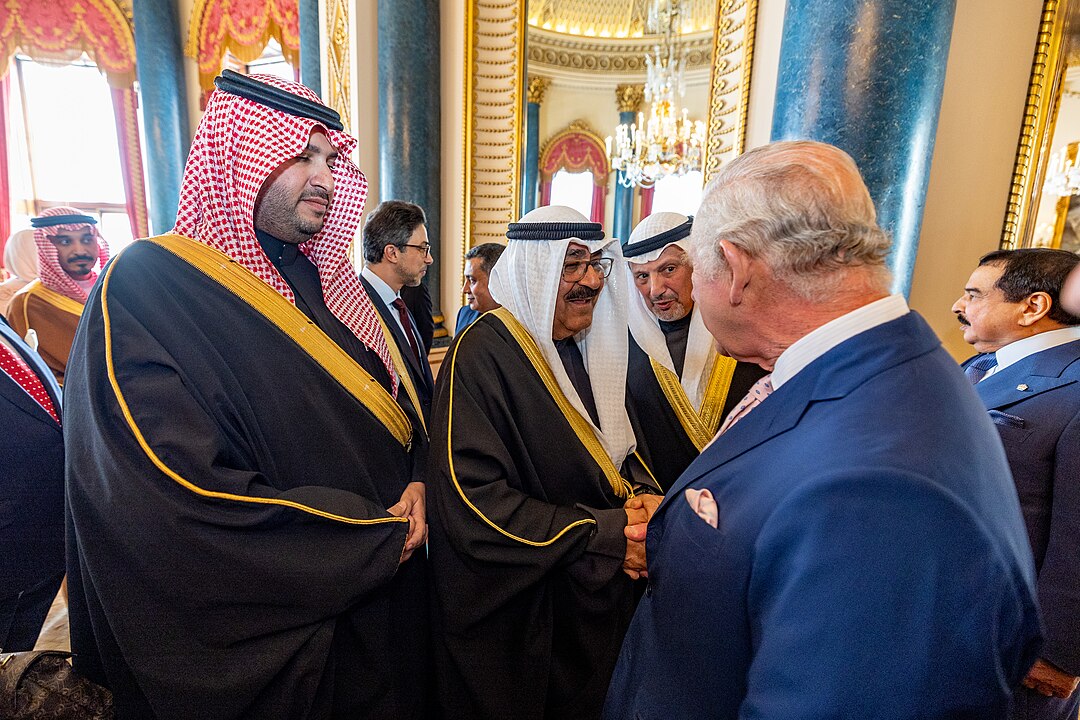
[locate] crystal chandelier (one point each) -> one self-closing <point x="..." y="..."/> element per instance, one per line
<point x="1062" y="173"/>
<point x="666" y="142"/>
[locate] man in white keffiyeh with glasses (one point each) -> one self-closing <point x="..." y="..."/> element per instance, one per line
<point x="241" y="488"/>
<point x="533" y="478"/>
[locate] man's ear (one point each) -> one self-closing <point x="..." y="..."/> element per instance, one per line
<point x="738" y="262"/>
<point x="390" y="253"/>
<point x="1035" y="308"/>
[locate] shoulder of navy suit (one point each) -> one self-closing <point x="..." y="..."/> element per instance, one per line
<point x="1041" y="372"/>
<point x="32" y="358"/>
<point x="831" y="376"/>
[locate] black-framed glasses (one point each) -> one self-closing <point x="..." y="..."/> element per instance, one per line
<point x="426" y="248"/>
<point x="575" y="271"/>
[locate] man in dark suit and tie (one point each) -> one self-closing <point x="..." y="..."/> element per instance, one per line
<point x="396" y="255"/>
<point x="31" y="492"/>
<point x="1027" y="375"/>
<point x="850" y="545"/>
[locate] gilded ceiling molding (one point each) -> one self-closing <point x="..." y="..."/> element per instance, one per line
<point x="729" y="95"/>
<point x="337" y="59"/>
<point x="538" y="85"/>
<point x="622" y="56"/>
<point x="630" y="97"/>
<point x="494" y="76"/>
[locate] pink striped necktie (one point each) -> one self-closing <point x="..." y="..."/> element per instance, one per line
<point x="758" y="392"/>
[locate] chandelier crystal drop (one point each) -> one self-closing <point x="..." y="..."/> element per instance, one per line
<point x="1063" y="174"/>
<point x="665" y="141"/>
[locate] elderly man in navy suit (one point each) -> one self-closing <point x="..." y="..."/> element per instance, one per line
<point x="849" y="546"/>
<point x="1027" y="374"/>
<point x="31" y="492"/>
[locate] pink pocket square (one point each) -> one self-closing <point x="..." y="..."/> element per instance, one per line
<point x="702" y="503"/>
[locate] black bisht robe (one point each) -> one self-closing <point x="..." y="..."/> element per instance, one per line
<point x="190" y="606"/>
<point x="526" y="543"/>
<point x="661" y="437"/>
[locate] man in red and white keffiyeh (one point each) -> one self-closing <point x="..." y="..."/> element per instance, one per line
<point x="69" y="252"/>
<point x="246" y="502"/>
<point x="239" y="144"/>
<point x="46" y="311"/>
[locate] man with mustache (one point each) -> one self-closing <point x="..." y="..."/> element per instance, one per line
<point x="242" y="494"/>
<point x="47" y="311"/>
<point x="1027" y="373"/>
<point x="679" y="386"/>
<point x="532" y="482"/>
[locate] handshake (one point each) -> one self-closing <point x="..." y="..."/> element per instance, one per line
<point x="639" y="509"/>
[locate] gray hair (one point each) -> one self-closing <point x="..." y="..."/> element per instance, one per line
<point x="802" y="208"/>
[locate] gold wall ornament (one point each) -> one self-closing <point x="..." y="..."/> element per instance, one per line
<point x="630" y="97"/>
<point x="494" y="79"/>
<point x="337" y="59"/>
<point x="624" y="56"/>
<point x="729" y="95"/>
<point x="538" y="85"/>
<point x="1037" y="128"/>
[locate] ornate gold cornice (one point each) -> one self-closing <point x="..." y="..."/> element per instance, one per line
<point x="538" y="85"/>
<point x="629" y="97"/>
<point x="616" y="57"/>
<point x="729" y="94"/>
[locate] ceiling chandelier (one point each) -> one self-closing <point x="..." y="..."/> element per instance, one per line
<point x="666" y="141"/>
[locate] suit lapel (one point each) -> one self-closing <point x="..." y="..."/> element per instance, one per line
<point x="389" y="316"/>
<point x="10" y="390"/>
<point x="829" y="377"/>
<point x="1031" y="376"/>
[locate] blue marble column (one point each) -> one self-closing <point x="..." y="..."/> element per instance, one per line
<point x="410" y="147"/>
<point x="867" y="76"/>
<point x="530" y="178"/>
<point x="159" y="62"/>
<point x="310" y="57"/>
<point x="629" y="99"/>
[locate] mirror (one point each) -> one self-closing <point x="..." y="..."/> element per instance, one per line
<point x="1044" y="203"/>
<point x="504" y="51"/>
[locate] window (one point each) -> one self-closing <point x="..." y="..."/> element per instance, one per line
<point x="678" y="193"/>
<point x="62" y="147"/>
<point x="573" y="190"/>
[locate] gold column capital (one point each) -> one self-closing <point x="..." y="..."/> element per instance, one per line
<point x="630" y="97"/>
<point x="538" y="85"/>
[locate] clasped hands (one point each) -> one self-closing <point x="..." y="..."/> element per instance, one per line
<point x="639" y="509"/>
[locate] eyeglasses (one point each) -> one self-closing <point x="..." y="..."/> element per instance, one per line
<point x="425" y="249"/>
<point x="575" y="271"/>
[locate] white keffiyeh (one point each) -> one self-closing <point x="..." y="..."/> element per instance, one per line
<point x="645" y="327"/>
<point x="525" y="281"/>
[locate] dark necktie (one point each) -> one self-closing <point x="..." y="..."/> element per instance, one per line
<point x="407" y="323"/>
<point x="977" y="368"/>
<point x="20" y="372"/>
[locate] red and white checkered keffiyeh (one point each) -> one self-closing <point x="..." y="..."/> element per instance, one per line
<point x="238" y="144"/>
<point x="52" y="274"/>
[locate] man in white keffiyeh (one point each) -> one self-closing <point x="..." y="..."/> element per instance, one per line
<point x="680" y="388"/>
<point x="531" y="481"/>
<point x="243" y="494"/>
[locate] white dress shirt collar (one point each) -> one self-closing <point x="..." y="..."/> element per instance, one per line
<point x="1016" y="351"/>
<point x="385" y="292"/>
<point x="819" y="341"/>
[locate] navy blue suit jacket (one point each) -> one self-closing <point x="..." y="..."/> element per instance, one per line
<point x="1035" y="404"/>
<point x="419" y="372"/>
<point x="31" y="499"/>
<point x="870" y="559"/>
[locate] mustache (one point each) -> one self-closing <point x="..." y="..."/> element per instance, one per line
<point x="316" y="192"/>
<point x="582" y="293"/>
<point x="80" y="258"/>
<point x="962" y="320"/>
<point x="664" y="297"/>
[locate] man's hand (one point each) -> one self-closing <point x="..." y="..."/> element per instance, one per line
<point x="639" y="509"/>
<point x="412" y="505"/>
<point x="1046" y="679"/>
